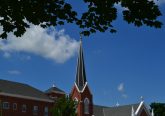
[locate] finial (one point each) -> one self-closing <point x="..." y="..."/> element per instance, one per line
<point x="142" y="99"/>
<point x="53" y="85"/>
<point x="117" y="104"/>
<point x="80" y="36"/>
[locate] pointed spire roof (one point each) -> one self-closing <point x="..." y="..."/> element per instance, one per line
<point x="80" y="74"/>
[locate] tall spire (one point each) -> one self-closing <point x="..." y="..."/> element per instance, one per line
<point x="80" y="74"/>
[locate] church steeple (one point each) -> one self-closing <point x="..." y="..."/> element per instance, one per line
<point x="80" y="74"/>
<point x="81" y="91"/>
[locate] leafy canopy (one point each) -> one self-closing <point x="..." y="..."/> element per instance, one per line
<point x="159" y="108"/>
<point x="64" y="106"/>
<point x="15" y="15"/>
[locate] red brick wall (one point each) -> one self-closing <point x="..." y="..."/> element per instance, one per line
<point x="143" y="113"/>
<point x="81" y="97"/>
<point x="20" y="102"/>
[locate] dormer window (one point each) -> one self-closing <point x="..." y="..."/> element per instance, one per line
<point x="86" y="106"/>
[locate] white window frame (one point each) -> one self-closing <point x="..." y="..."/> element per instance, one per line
<point x="14" y="106"/>
<point x="35" y="110"/>
<point x="24" y="108"/>
<point x="86" y="106"/>
<point x="4" y="105"/>
<point x="46" y="110"/>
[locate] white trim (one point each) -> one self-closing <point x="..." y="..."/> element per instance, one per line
<point x="75" y="99"/>
<point x="82" y="89"/>
<point x="77" y="88"/>
<point x="103" y="112"/>
<point x="25" y="97"/>
<point x="152" y="113"/>
<point x="133" y="112"/>
<point x="14" y="106"/>
<point x="141" y="107"/>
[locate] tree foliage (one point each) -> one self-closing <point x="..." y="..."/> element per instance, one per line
<point x="64" y="106"/>
<point x="15" y="15"/>
<point x="159" y="108"/>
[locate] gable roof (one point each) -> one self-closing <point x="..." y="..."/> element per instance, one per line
<point x="114" y="111"/>
<point x="54" y="90"/>
<point x="80" y="74"/>
<point x="25" y="91"/>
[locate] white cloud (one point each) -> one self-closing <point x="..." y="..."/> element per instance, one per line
<point x="14" y="72"/>
<point x="50" y="44"/>
<point x="121" y="87"/>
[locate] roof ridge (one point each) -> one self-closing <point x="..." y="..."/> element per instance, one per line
<point x="117" y="106"/>
<point x="14" y="82"/>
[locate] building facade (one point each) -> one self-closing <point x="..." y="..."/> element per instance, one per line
<point x="19" y="99"/>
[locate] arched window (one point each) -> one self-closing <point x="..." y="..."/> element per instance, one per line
<point x="86" y="106"/>
<point x="76" y="106"/>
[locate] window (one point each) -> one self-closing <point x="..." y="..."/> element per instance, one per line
<point x="76" y="106"/>
<point x="35" y="110"/>
<point x="46" y="111"/>
<point x="14" y="106"/>
<point x="6" y="105"/>
<point x="23" y="108"/>
<point x="86" y="106"/>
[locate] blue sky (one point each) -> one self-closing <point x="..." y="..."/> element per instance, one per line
<point x="120" y="67"/>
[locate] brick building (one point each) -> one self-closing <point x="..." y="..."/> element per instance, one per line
<point x="19" y="99"/>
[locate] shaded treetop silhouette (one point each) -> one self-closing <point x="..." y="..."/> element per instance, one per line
<point x="17" y="15"/>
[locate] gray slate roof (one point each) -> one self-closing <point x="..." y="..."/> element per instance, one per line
<point x="54" y="89"/>
<point x="114" y="111"/>
<point x="16" y="88"/>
